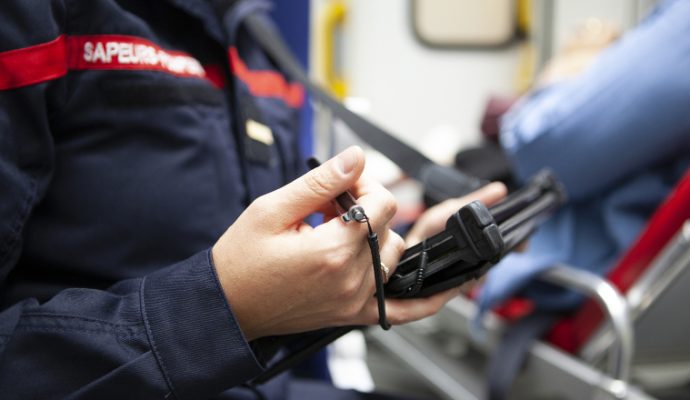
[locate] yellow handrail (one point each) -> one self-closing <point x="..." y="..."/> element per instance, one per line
<point x="332" y="18"/>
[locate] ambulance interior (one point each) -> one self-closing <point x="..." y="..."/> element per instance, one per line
<point x="440" y="74"/>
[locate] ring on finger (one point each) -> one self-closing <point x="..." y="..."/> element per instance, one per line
<point x="386" y="271"/>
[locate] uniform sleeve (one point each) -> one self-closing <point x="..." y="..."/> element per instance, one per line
<point x="170" y="334"/>
<point x="626" y="113"/>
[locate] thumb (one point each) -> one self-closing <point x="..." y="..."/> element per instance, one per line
<point x="308" y="193"/>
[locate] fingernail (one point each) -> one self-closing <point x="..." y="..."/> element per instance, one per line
<point x="347" y="160"/>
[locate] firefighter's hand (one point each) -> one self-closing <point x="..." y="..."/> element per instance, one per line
<point x="282" y="276"/>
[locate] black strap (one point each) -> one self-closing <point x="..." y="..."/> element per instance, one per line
<point x="373" y="241"/>
<point x="440" y="182"/>
<point x="507" y="360"/>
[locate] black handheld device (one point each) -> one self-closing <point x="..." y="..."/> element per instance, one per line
<point x="475" y="238"/>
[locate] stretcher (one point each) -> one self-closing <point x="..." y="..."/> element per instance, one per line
<point x="628" y="341"/>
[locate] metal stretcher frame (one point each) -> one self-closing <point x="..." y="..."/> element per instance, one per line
<point x="549" y="371"/>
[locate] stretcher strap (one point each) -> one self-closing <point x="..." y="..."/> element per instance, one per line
<point x="440" y="182"/>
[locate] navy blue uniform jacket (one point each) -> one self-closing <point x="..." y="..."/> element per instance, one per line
<point x="124" y="155"/>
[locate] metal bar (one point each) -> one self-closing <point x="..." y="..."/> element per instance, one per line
<point x="611" y="301"/>
<point x="671" y="262"/>
<point x="664" y="270"/>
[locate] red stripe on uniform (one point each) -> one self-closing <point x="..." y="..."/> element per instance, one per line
<point x="31" y="65"/>
<point x="52" y="60"/>
<point x="215" y="74"/>
<point x="266" y="83"/>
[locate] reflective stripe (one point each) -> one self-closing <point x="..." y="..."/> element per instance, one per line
<point x="31" y="65"/>
<point x="266" y="83"/>
<point x="130" y="53"/>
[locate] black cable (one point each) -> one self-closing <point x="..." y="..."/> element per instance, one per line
<point x="372" y="239"/>
<point x="421" y="270"/>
